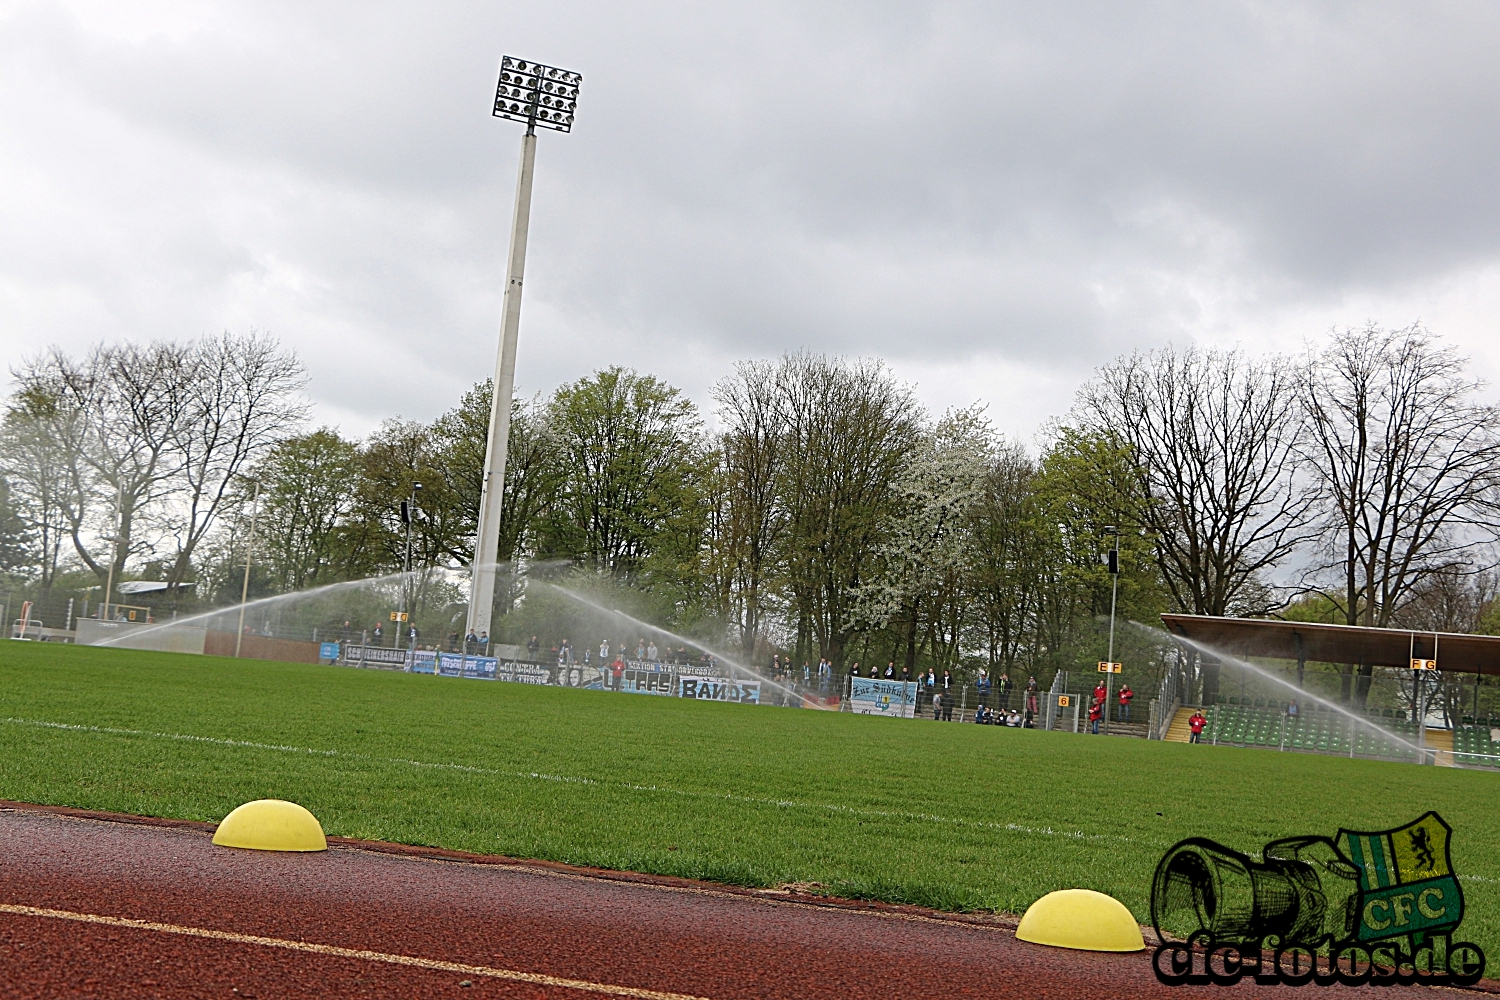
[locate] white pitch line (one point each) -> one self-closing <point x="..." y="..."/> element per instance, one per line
<point x="513" y="975"/>
<point x="573" y="780"/>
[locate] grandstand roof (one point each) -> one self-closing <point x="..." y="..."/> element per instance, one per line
<point x="1389" y="647"/>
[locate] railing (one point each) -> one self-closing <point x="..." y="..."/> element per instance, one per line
<point x="1179" y="684"/>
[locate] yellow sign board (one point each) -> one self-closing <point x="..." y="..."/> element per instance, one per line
<point x="1424" y="664"/>
<point x="398" y="616"/>
<point x="1063" y="701"/>
<point x="1109" y="668"/>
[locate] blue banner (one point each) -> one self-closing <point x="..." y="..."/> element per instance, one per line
<point x="458" y="665"/>
<point x="328" y="651"/>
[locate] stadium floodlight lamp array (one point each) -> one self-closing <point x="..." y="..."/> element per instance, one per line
<point x="541" y="96"/>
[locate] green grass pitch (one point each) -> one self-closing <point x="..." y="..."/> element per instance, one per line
<point x="948" y="816"/>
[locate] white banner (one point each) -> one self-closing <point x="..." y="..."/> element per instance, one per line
<point x="717" y="689"/>
<point x="876" y="696"/>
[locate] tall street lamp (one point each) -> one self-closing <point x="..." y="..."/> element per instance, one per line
<point x="542" y="97"/>
<point x="1114" y="593"/>
<point x="408" y="515"/>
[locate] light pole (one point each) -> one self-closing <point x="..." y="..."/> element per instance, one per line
<point x="1114" y="593"/>
<point x="545" y="97"/>
<point x="114" y="548"/>
<point x="408" y="515"/>
<point x="239" y="635"/>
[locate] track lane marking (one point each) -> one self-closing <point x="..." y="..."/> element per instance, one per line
<point x="334" y="951"/>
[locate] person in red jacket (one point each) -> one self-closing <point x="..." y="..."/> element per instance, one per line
<point x="617" y="671"/>
<point x="1096" y="712"/>
<point x="1099" y="693"/>
<point x="1196" y="724"/>
<point x="1125" y="695"/>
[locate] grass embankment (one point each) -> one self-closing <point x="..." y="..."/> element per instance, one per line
<point x="949" y="816"/>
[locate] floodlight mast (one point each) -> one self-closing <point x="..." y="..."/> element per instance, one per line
<point x="545" y="97"/>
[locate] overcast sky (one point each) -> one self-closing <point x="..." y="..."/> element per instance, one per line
<point x="995" y="198"/>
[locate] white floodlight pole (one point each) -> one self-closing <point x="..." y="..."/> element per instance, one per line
<point x="487" y="547"/>
<point x="537" y="95"/>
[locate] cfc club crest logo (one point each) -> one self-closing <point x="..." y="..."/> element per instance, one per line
<point x="1379" y="908"/>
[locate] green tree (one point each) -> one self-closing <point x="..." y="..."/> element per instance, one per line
<point x="629" y="504"/>
<point x="851" y="429"/>
<point x="309" y="486"/>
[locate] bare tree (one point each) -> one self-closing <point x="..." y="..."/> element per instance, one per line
<point x="1212" y="435"/>
<point x="240" y="396"/>
<point x="1405" y="461"/>
<point x="114" y="419"/>
<point x="752" y="452"/>
<point x="38" y="474"/>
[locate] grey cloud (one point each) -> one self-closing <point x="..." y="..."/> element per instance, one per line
<point x="1025" y="187"/>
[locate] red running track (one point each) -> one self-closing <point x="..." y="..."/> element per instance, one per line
<point x="94" y="907"/>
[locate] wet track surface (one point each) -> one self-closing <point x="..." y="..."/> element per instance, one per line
<point x="353" y="922"/>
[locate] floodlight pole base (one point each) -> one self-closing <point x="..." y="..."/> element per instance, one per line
<point x="487" y="541"/>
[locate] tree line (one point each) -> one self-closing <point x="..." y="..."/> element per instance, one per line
<point x="825" y="514"/>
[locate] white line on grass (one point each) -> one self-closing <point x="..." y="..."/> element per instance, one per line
<point x="573" y="780"/>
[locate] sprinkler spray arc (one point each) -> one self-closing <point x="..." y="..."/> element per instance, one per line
<point x="259" y="601"/>
<point x="734" y="664"/>
<point x="1301" y="693"/>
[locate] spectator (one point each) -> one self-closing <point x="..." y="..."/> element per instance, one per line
<point x="947" y="708"/>
<point x="947" y="682"/>
<point x="413" y="637"/>
<point x="1125" y="696"/>
<point x="937" y="707"/>
<point x="1014" y="719"/>
<point x="640" y="649"/>
<point x="1096" y="710"/>
<point x="825" y="675"/>
<point x="484" y="644"/>
<point x="348" y="630"/>
<point x="854" y="670"/>
<point x="532" y="648"/>
<point x="890" y="670"/>
<point x="378" y="634"/>
<point x="470" y="640"/>
<point x="1196" y="723"/>
<point x="1291" y="709"/>
<point x="1003" y="687"/>
<point x="980" y="714"/>
<point x="604" y="651"/>
<point x="776" y="665"/>
<point x="1032" y="698"/>
<point x="1028" y="723"/>
<point x="807" y="674"/>
<point x="565" y="655"/>
<point x="905" y="675"/>
<point x="651" y="651"/>
<point x="1099" y="693"/>
<point x="617" y="671"/>
<point x="982" y="685"/>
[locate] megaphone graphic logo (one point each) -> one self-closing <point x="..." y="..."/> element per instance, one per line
<point x="1381" y="906"/>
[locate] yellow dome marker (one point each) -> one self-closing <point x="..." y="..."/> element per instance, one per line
<point x="271" y="825"/>
<point x="1082" y="919"/>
